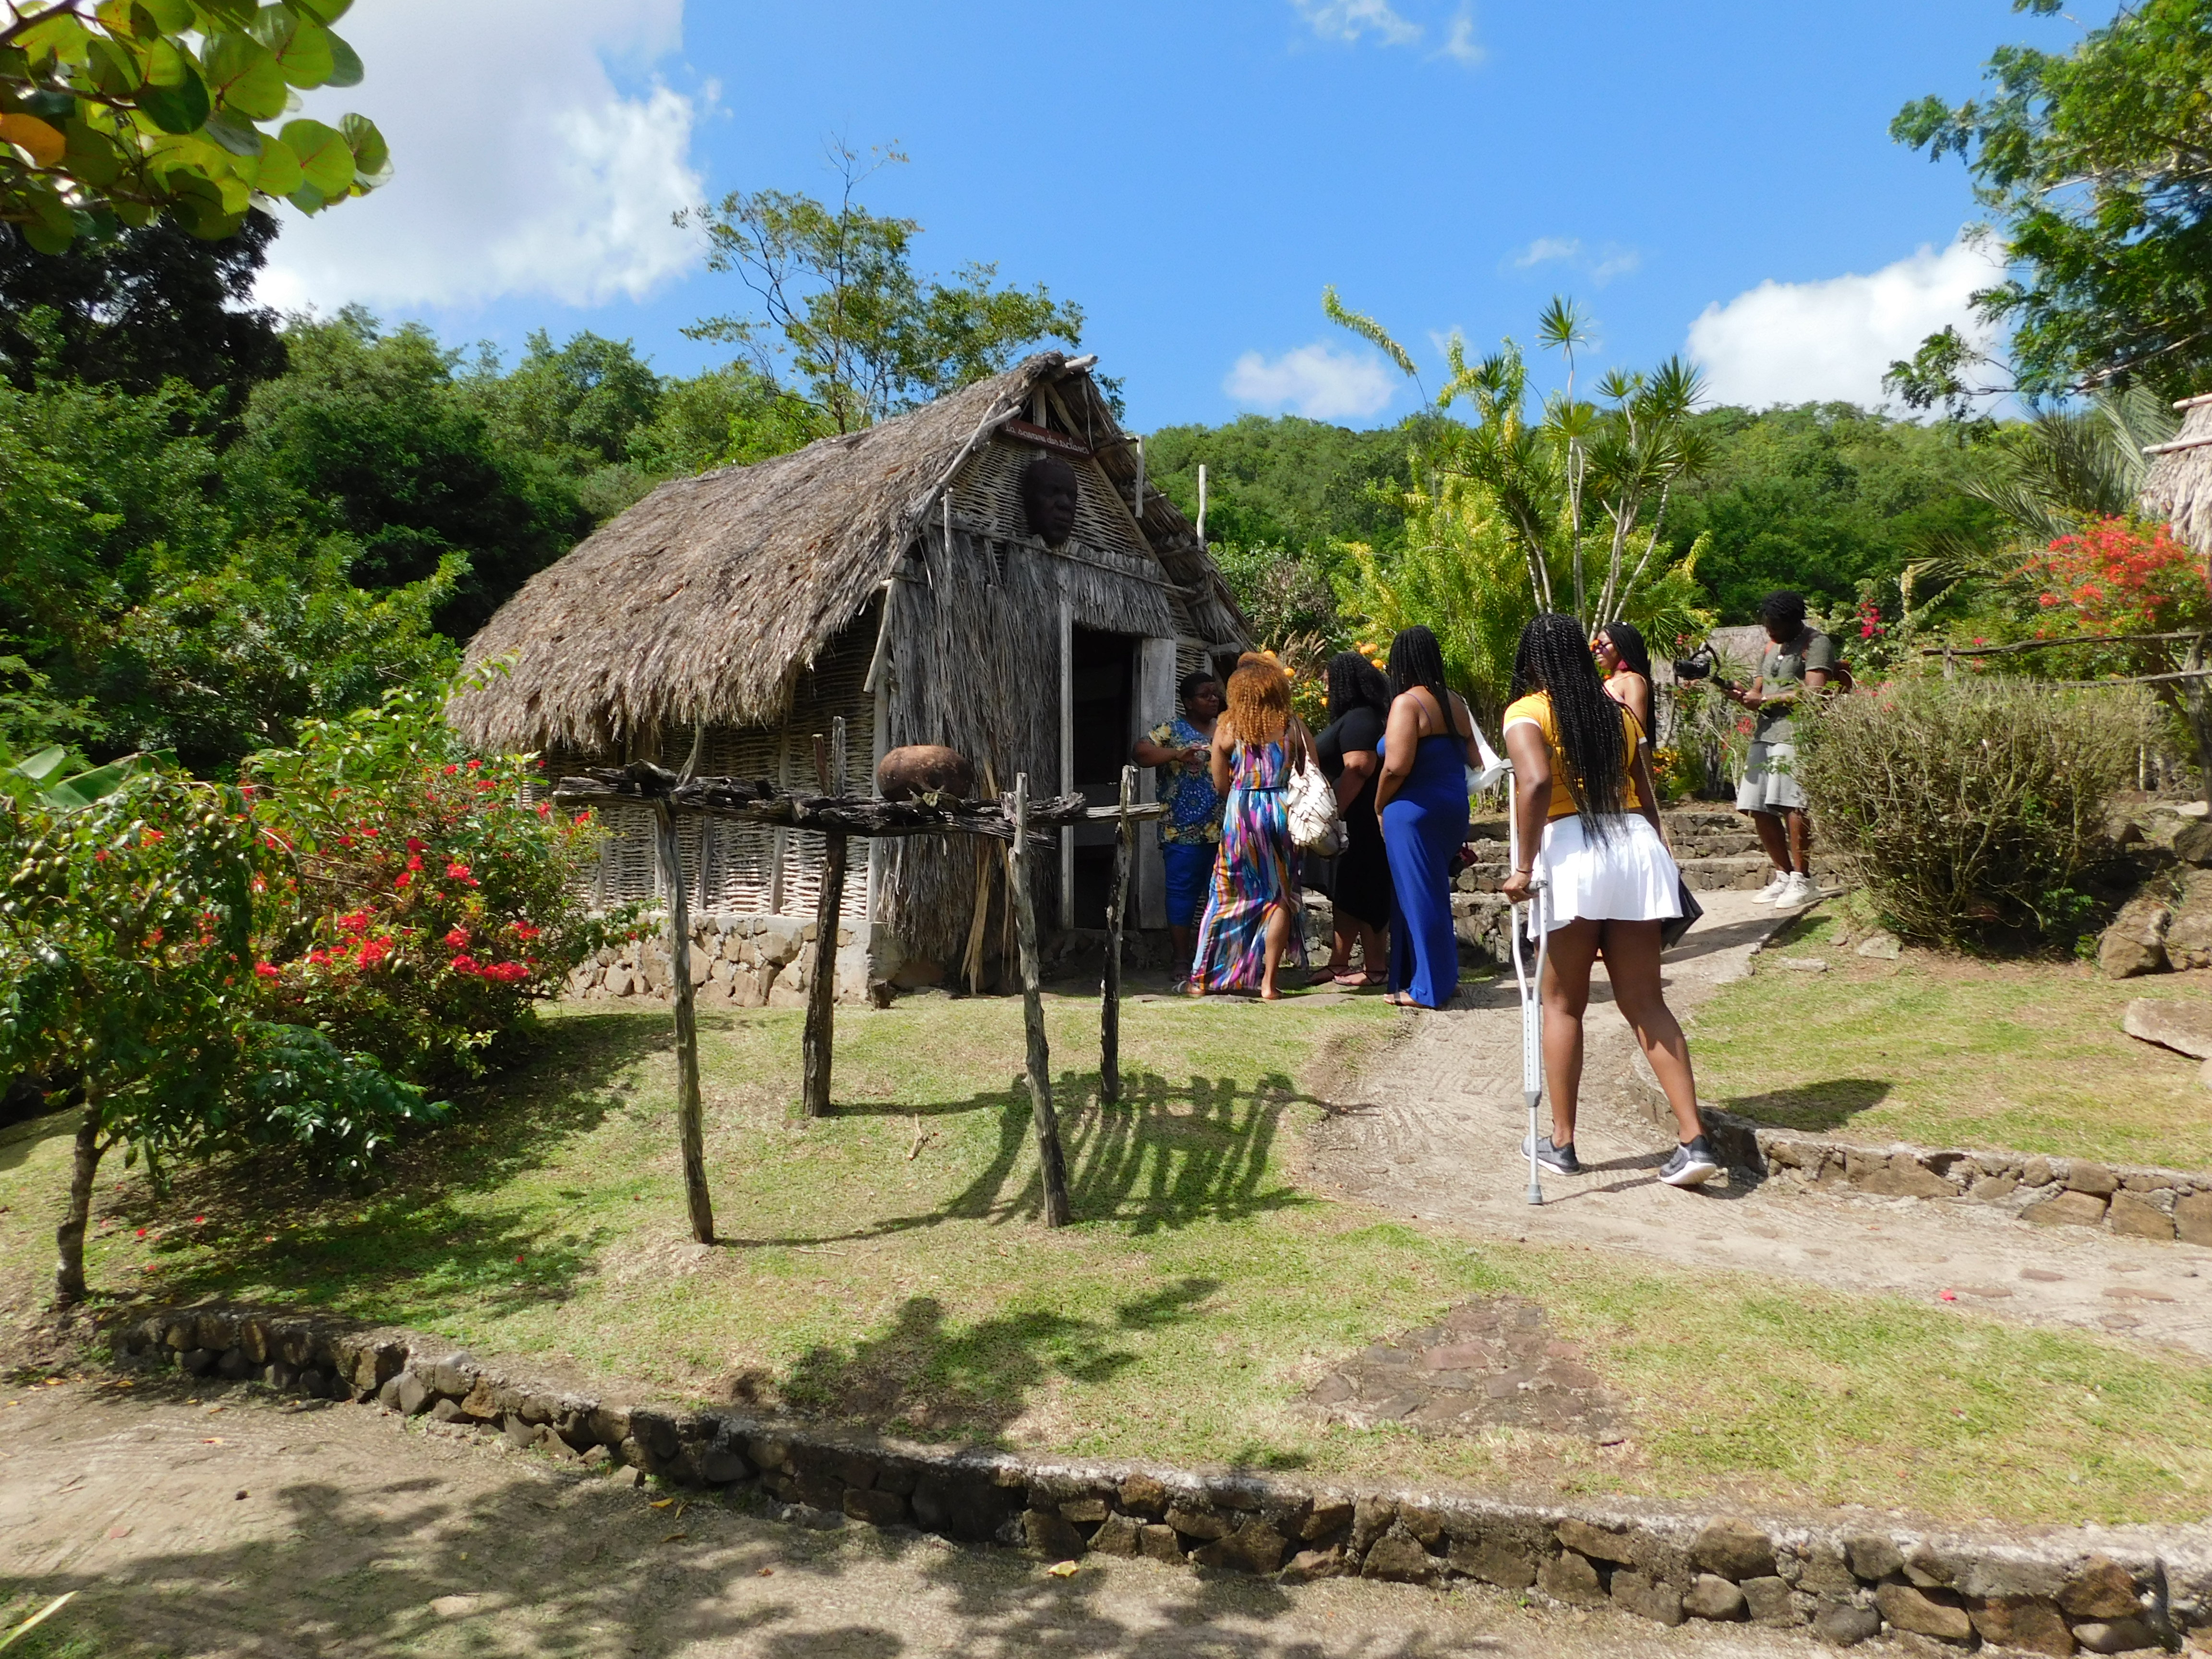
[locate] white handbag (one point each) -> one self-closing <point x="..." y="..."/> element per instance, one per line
<point x="1309" y="801"/>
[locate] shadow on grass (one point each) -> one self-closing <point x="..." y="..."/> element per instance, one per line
<point x="926" y="1373"/>
<point x="1828" y="1104"/>
<point x="1166" y="1156"/>
<point x="409" y="1242"/>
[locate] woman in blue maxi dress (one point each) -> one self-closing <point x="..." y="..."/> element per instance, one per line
<point x="1426" y="748"/>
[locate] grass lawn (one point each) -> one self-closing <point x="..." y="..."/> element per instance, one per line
<point x="1951" y="1051"/>
<point x="886" y="1265"/>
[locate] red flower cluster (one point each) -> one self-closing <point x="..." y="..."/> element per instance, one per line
<point x="2120" y="577"/>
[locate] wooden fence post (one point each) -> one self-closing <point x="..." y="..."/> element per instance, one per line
<point x="691" y="1113"/>
<point x="1052" y="1163"/>
<point x="822" y="982"/>
<point x="1117" y="906"/>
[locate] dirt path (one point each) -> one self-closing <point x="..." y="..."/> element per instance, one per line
<point x="1434" y="1128"/>
<point x="234" y="1526"/>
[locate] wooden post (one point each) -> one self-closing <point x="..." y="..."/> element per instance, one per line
<point x="1067" y="761"/>
<point x="1052" y="1163"/>
<point x="822" y="980"/>
<point x="690" y="1111"/>
<point x="1117" y="908"/>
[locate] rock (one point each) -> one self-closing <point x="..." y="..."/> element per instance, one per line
<point x="1634" y="1593"/>
<point x="1880" y="947"/>
<point x="233" y="1365"/>
<point x="1804" y="965"/>
<point x="1847" y="1625"/>
<point x="1143" y="1494"/>
<point x="1197" y="1523"/>
<point x="1995" y="1189"/>
<point x="1155" y="1542"/>
<point x="1328" y="1515"/>
<point x="1924" y="1612"/>
<point x="888" y="1509"/>
<point x="1399" y="1558"/>
<point x="1769" y="1601"/>
<point x="1568" y="1576"/>
<point x="805" y="1514"/>
<point x="1600" y="1543"/>
<point x="2115" y="1635"/>
<point x="518" y="1436"/>
<point x="1255" y="1547"/>
<point x="1873" y="1555"/>
<point x="2138" y="1218"/>
<point x="1898" y="1175"/>
<point x="1423" y="1523"/>
<point x="1047" y="1535"/>
<point x="2066" y="1208"/>
<point x="2183" y="1027"/>
<point x="1733" y="1549"/>
<point x="2135" y="942"/>
<point x="1118" y="1536"/>
<point x="1712" y="1597"/>
<point x="448" y="1410"/>
<point x="2095" y="1179"/>
<point x="2027" y="1622"/>
<point x="1308" y="1565"/>
<point x="1085" y="1511"/>
<point x="2192" y="1218"/>
<point x="196" y="1362"/>
<point x="2037" y="1172"/>
<point x="2103" y="1589"/>
<point x="1495" y="1561"/>
<point x="1823" y="1569"/>
<point x="2192" y="843"/>
<point x="595" y="1457"/>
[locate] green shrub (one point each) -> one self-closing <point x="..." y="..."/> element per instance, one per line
<point x="427" y="904"/>
<point x="1972" y="812"/>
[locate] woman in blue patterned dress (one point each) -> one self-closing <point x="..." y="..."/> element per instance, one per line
<point x="1190" y="835"/>
<point x="1252" y="919"/>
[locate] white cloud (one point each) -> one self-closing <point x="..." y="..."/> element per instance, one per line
<point x="1797" y="343"/>
<point x="1545" y="249"/>
<point x="1615" y="262"/>
<point x="1320" y="382"/>
<point x="1460" y="44"/>
<point x="519" y="167"/>
<point x="1349" y="20"/>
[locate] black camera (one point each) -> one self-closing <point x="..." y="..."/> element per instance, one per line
<point x="1698" y="665"/>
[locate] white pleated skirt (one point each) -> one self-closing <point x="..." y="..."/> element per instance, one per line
<point x="1625" y="875"/>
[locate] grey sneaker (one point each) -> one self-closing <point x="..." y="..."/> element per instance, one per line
<point x="1560" y="1160"/>
<point x="1691" y="1165"/>
<point x="1773" y="889"/>
<point x="1797" y="893"/>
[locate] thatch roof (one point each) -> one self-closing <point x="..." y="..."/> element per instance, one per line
<point x="2179" y="487"/>
<point x="705" y="600"/>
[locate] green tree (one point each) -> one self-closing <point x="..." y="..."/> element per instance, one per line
<point x="140" y="308"/>
<point x="132" y="111"/>
<point x="864" y="335"/>
<point x="368" y="434"/>
<point x="2096" y="166"/>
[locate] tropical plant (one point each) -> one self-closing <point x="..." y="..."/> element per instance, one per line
<point x="128" y="112"/>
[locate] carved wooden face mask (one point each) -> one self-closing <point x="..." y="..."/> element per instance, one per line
<point x="1048" y="498"/>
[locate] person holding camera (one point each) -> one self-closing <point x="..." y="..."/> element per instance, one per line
<point x="1798" y="659"/>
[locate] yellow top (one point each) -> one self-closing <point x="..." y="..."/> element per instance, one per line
<point x="1535" y="709"/>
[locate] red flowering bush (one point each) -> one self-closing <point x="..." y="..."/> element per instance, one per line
<point x="2121" y="577"/>
<point x="430" y="904"/>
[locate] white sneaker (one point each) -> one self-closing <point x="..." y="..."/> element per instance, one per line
<point x="1796" y="892"/>
<point x="1773" y="889"/>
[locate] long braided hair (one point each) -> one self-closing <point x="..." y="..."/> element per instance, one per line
<point x="1554" y="657"/>
<point x="1355" y="683"/>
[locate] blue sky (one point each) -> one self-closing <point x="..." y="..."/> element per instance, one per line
<point x="1715" y="177"/>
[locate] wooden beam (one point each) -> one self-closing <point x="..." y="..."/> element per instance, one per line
<point x="1117" y="905"/>
<point x="691" y="1113"/>
<point x="1052" y="1163"/>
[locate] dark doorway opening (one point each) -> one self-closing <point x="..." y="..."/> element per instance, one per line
<point x="1104" y="713"/>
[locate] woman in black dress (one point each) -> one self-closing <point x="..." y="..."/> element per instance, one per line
<point x="1359" y="705"/>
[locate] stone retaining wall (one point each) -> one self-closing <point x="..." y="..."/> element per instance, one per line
<point x="2103" y="1591"/>
<point x="742" y="960"/>
<point x="2074" y="1192"/>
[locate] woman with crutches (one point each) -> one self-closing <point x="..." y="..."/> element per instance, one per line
<point x="1584" y="803"/>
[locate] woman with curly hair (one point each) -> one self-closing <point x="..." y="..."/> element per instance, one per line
<point x="1586" y="813"/>
<point x="1252" y="916"/>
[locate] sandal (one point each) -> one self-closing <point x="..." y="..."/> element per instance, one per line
<point x="1361" y="981"/>
<point x="1327" y="975"/>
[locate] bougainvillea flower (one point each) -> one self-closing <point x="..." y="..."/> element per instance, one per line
<point x="415" y="845"/>
<point x="507" y="972"/>
<point x="465" y="965"/>
<point x="268" y="970"/>
<point x="457" y="937"/>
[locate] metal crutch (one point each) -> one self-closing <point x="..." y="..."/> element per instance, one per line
<point x="1531" y="986"/>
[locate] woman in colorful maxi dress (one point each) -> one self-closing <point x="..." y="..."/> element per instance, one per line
<point x="1252" y="916"/>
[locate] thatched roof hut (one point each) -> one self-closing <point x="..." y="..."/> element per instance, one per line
<point x="2178" y="488"/>
<point x="889" y="577"/>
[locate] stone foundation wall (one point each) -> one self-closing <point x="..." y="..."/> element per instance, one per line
<point x="2106" y="1590"/>
<point x="2139" y="1201"/>
<point x="744" y="961"/>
